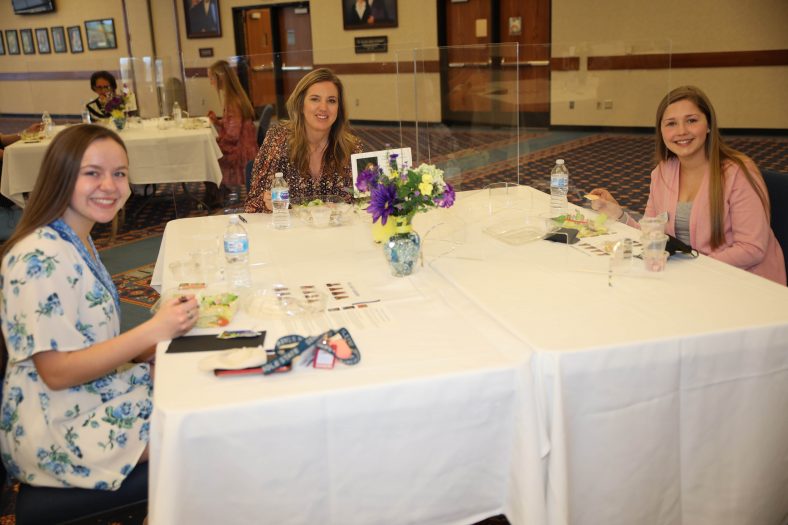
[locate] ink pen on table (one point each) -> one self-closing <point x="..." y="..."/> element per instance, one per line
<point x="243" y="219"/>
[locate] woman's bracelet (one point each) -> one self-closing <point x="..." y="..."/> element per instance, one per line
<point x="624" y="217"/>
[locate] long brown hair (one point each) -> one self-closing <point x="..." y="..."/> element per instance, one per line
<point x="340" y="139"/>
<point x="230" y="89"/>
<point x="56" y="179"/>
<point x="717" y="153"/>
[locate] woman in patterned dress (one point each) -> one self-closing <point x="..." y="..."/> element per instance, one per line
<point x="75" y="409"/>
<point x="312" y="149"/>
<point x="237" y="135"/>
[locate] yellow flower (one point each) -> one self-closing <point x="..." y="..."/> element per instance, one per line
<point x="117" y="113"/>
<point x="425" y="188"/>
<point x="427" y="178"/>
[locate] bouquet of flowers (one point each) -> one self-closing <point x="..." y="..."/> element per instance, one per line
<point x="116" y="106"/>
<point x="404" y="192"/>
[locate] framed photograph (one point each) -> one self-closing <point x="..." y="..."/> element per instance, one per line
<point x="28" y="47"/>
<point x="375" y="159"/>
<point x="75" y="39"/>
<point x="100" y="34"/>
<point x="12" y="39"/>
<point x="42" y="38"/>
<point x="59" y="39"/>
<point x="369" y="14"/>
<point x="2" y="45"/>
<point x="202" y="18"/>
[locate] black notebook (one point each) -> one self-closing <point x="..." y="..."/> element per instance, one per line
<point x="204" y="343"/>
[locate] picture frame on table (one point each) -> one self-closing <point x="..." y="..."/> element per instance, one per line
<point x="203" y="18"/>
<point x="100" y="34"/>
<point x="2" y="44"/>
<point x="75" y="39"/>
<point x="28" y="47"/>
<point x="42" y="39"/>
<point x="374" y="159"/>
<point x="59" y="39"/>
<point x="12" y="40"/>
<point x="369" y="14"/>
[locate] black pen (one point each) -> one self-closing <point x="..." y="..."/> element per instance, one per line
<point x="242" y="218"/>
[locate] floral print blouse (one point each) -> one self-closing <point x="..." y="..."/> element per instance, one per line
<point x="273" y="158"/>
<point x="55" y="296"/>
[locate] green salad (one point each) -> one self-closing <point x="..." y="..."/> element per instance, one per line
<point x="585" y="227"/>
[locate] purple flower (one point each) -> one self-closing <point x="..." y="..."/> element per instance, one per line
<point x="382" y="202"/>
<point x="116" y="102"/>
<point x="447" y="199"/>
<point x="367" y="179"/>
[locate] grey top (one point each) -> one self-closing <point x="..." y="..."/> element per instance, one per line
<point x="683" y="211"/>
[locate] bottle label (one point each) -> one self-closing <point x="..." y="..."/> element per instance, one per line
<point x="559" y="181"/>
<point x="280" y="195"/>
<point x="237" y="245"/>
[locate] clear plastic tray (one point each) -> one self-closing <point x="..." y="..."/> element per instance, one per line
<point x="521" y="229"/>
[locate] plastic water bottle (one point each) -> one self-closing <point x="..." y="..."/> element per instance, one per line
<point x="49" y="127"/>
<point x="559" y="186"/>
<point x="236" y="255"/>
<point x="280" y="200"/>
<point x="85" y="115"/>
<point x="232" y="204"/>
<point x="177" y="116"/>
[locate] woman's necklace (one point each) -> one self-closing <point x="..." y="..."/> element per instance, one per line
<point x="316" y="159"/>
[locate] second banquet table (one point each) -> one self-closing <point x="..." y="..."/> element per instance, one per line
<point x="156" y="156"/>
<point x="499" y="378"/>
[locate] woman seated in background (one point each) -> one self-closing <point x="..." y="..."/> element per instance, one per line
<point x="104" y="85"/>
<point x="312" y="149"/>
<point x="75" y="409"/>
<point x="6" y="139"/>
<point x="714" y="196"/>
<point x="237" y="135"/>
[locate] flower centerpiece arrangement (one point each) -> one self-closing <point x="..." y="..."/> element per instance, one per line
<point x="399" y="193"/>
<point x="116" y="107"/>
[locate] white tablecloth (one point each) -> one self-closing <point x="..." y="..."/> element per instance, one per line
<point x="155" y="156"/>
<point x="510" y="379"/>
<point x="432" y="426"/>
<point x="665" y="397"/>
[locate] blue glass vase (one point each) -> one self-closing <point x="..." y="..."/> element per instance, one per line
<point x="402" y="250"/>
<point x="120" y="123"/>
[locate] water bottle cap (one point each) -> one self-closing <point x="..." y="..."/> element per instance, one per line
<point x="279" y="174"/>
<point x="233" y="218"/>
<point x="559" y="161"/>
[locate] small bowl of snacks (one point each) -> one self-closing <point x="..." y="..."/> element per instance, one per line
<point x="217" y="306"/>
<point x="324" y="210"/>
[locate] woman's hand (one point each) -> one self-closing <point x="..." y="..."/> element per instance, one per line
<point x="35" y="128"/>
<point x="268" y="201"/>
<point x="606" y="204"/>
<point x="176" y="316"/>
<point x="212" y="117"/>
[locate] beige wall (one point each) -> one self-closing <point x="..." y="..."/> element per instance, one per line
<point x="746" y="97"/>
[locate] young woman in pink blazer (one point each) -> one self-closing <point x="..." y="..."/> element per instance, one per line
<point x="714" y="196"/>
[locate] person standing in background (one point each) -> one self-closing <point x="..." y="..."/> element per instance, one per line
<point x="237" y="135"/>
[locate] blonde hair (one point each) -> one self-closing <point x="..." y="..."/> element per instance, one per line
<point x="230" y="89"/>
<point x="57" y="178"/>
<point x="717" y="153"/>
<point x="340" y="139"/>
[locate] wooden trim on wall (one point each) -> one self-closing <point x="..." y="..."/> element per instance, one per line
<point x="565" y="64"/>
<point x="770" y="57"/>
<point x="49" y="75"/>
<point x="387" y="68"/>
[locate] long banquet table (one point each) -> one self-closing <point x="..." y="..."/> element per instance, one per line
<point x="156" y="156"/>
<point x="496" y="379"/>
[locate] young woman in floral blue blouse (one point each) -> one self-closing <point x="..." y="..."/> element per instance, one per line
<point x="75" y="407"/>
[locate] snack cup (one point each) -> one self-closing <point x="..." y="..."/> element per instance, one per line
<point x="217" y="308"/>
<point x="321" y="216"/>
<point x="654" y="242"/>
<point x="649" y="225"/>
<point x="655" y="261"/>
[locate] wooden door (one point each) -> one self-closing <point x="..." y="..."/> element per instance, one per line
<point x="259" y="42"/>
<point x="494" y="84"/>
<point x="466" y="63"/>
<point x="295" y="45"/>
<point x="528" y="24"/>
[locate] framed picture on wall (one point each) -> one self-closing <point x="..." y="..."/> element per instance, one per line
<point x="368" y="14"/>
<point x="202" y="18"/>
<point x="28" y="47"/>
<point x="59" y="39"/>
<point x="42" y="38"/>
<point x="2" y="45"/>
<point x="12" y="39"/>
<point x="75" y="39"/>
<point x="101" y="33"/>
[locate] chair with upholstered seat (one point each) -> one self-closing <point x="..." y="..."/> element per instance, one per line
<point x="264" y="123"/>
<point x="777" y="186"/>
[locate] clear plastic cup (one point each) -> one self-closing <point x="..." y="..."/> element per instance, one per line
<point x="649" y="225"/>
<point x="655" y="261"/>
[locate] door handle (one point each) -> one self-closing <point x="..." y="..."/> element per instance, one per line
<point x="260" y="69"/>
<point x="530" y="63"/>
<point x="296" y="68"/>
<point x="469" y="64"/>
